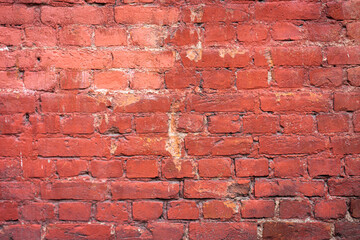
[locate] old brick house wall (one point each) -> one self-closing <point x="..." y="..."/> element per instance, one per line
<point x="179" y="119"/>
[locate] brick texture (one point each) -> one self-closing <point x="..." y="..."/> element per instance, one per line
<point x="179" y="119"/>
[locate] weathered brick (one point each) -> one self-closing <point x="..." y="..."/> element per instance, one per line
<point x="199" y="146"/>
<point x="183" y="210"/>
<point x="222" y="230"/>
<point x="83" y="190"/>
<point x="291" y="230"/>
<point x="147" y="210"/>
<point x="144" y="190"/>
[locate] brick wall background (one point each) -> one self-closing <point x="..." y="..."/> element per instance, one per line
<point x="179" y="119"/>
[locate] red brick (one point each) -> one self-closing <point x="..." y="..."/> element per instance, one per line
<point x="73" y="231"/>
<point x="7" y="59"/>
<point x="215" y="188"/>
<point x="214" y="58"/>
<point x="10" y="36"/>
<point x="69" y="103"/>
<point x="128" y="231"/>
<point x="179" y="78"/>
<point x="217" y="146"/>
<point x="21" y="231"/>
<point x="326" y="77"/>
<point x="76" y="190"/>
<point x="75" y="59"/>
<point x="224" y="123"/>
<point x="216" y="13"/>
<point x="141" y="168"/>
<point x="17" y="14"/>
<point x="323" y="32"/>
<point x="260" y="124"/>
<point x="17" y="191"/>
<point x="290" y="230"/>
<point x="77" y="124"/>
<point x="343" y="10"/>
<point x="144" y="190"/>
<point x="106" y="169"/>
<point x="71" y="168"/>
<point x="38" y="211"/>
<point x="112" y="211"/>
<point x="138" y="145"/>
<point x="219" y="79"/>
<point x="40" y="36"/>
<point x="252" y="33"/>
<point x="292" y="144"/>
<point x="74" y="211"/>
<point x="287" y="187"/>
<point x="288" y="167"/>
<point x="354" y="76"/>
<point x="257" y="208"/>
<point x="327" y="209"/>
<point x="17" y="103"/>
<point x="343" y="55"/>
<point x="183" y="210"/>
<point x="219" y="209"/>
<point x="347" y="230"/>
<point x="110" y="36"/>
<point x="178" y="168"/>
<point x="251" y="167"/>
<point x="296" y="56"/>
<point x="297" y="123"/>
<point x="355" y="208"/>
<point x="9" y="169"/>
<point x="49" y="123"/>
<point x="109" y="124"/>
<point x="333" y="123"/>
<point x="289" y="78"/>
<point x="344" y="187"/>
<point x="8" y="211"/>
<point x="183" y="36"/>
<point x="146" y="15"/>
<point x="143" y="59"/>
<point x="215" y="168"/>
<point x="40" y="80"/>
<point x="38" y="168"/>
<point x="294" y="209"/>
<point x="190" y="122"/>
<point x="295" y="102"/>
<point x="353" y="31"/>
<point x="221" y="103"/>
<point x="112" y="80"/>
<point x="346" y="101"/>
<point x="74" y="35"/>
<point x="86" y="14"/>
<point x="166" y="230"/>
<point x="10" y="147"/>
<point x="286" y="31"/>
<point x="72" y="79"/>
<point x="273" y="11"/>
<point x="146" y="37"/>
<point x="72" y="147"/>
<point x="218" y="33"/>
<point x="146" y="210"/>
<point x="252" y="79"/>
<point x="222" y="230"/>
<point x="11" y="124"/>
<point x="346" y="145"/>
<point x="146" y="80"/>
<point x="352" y="166"/>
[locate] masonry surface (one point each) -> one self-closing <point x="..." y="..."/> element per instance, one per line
<point x="179" y="119"/>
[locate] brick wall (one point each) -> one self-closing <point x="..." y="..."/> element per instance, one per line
<point x="179" y="119"/>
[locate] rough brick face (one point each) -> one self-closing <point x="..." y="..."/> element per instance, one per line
<point x="179" y="119"/>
